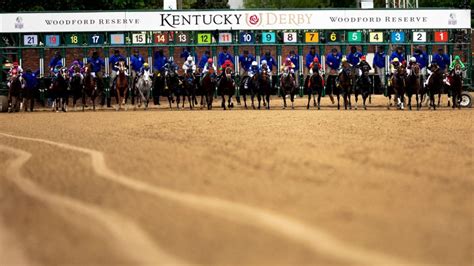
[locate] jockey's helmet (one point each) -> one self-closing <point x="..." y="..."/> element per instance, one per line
<point x="170" y="59"/>
<point x="209" y="60"/>
<point x="75" y="62"/>
<point x="395" y="60"/>
<point x="288" y="59"/>
<point x="344" y="59"/>
<point x="412" y="59"/>
<point x="264" y="62"/>
<point x="457" y="57"/>
<point x="145" y="64"/>
<point x="254" y="63"/>
<point x="15" y="64"/>
<point x="362" y="58"/>
<point x="227" y="62"/>
<point x="14" y="72"/>
<point x="190" y="59"/>
<point x="315" y="60"/>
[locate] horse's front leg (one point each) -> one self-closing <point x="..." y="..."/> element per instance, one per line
<point x="284" y="99"/>
<point x="292" y="98"/>
<point x="268" y="101"/>
<point x="319" y="98"/>
<point x="338" y="102"/>
<point x="309" y="99"/>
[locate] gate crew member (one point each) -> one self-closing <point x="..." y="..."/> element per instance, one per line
<point x="223" y="56"/>
<point x="379" y="64"/>
<point x="333" y="62"/>
<point x="441" y="59"/>
<point x="55" y="61"/>
<point x="137" y="62"/>
<point x="186" y="53"/>
<point x="310" y="59"/>
<point x="159" y="61"/>
<point x="31" y="85"/>
<point x="97" y="64"/>
<point x="203" y="61"/>
<point x="354" y="56"/>
<point x="271" y="62"/>
<point x="245" y="60"/>
<point x="422" y="60"/>
<point x="398" y="53"/>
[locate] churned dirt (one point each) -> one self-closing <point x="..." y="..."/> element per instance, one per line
<point x="239" y="187"/>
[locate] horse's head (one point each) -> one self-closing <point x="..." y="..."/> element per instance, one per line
<point x="228" y="72"/>
<point x="457" y="70"/>
<point x="14" y="74"/>
<point x="146" y="75"/>
<point x="402" y="70"/>
<point x="122" y="67"/>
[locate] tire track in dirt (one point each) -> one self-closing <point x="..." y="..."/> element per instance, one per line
<point x="127" y="236"/>
<point x="313" y="238"/>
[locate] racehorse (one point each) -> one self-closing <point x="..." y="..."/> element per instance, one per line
<point x="209" y="87"/>
<point x="59" y="90"/>
<point x="91" y="89"/>
<point x="434" y="86"/>
<point x="121" y="86"/>
<point x="288" y="86"/>
<point x="255" y="89"/>
<point x="245" y="89"/>
<point x="189" y="88"/>
<point x="172" y="86"/>
<point x="362" y="86"/>
<point x="346" y="83"/>
<point x="414" y="85"/>
<point x="144" y="85"/>
<point x="158" y="86"/>
<point x="76" y="86"/>
<point x="226" y="87"/>
<point x="456" y="85"/>
<point x="313" y="85"/>
<point x="14" y="91"/>
<point x="264" y="88"/>
<point x="399" y="86"/>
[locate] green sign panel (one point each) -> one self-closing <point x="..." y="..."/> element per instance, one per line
<point x="354" y="36"/>
<point x="204" y="38"/>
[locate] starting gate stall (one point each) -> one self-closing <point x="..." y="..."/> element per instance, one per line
<point x="33" y="38"/>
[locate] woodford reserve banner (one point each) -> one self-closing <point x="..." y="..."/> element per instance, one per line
<point x="236" y="20"/>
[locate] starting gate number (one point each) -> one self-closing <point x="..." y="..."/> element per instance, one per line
<point x="52" y="40"/>
<point x="225" y="37"/>
<point x="397" y="36"/>
<point x="354" y="36"/>
<point x="30" y="40"/>
<point x="117" y="39"/>
<point x="376" y="37"/>
<point x="139" y="38"/>
<point x="290" y="37"/>
<point x="73" y="39"/>
<point x="441" y="36"/>
<point x="96" y="39"/>
<point x="311" y="37"/>
<point x="333" y="37"/>
<point x="204" y="38"/>
<point x="247" y="37"/>
<point x="160" y="38"/>
<point x="182" y="37"/>
<point x="268" y="37"/>
<point x="419" y="36"/>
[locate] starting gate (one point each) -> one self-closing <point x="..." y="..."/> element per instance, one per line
<point x="33" y="38"/>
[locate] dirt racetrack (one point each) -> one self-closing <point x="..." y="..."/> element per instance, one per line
<point x="278" y="187"/>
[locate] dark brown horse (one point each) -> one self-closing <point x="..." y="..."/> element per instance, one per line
<point x="346" y="83"/>
<point x="91" y="89"/>
<point x="58" y="90"/>
<point x="209" y="86"/>
<point x="399" y="85"/>
<point x="414" y="85"/>
<point x="456" y="85"/>
<point x="314" y="84"/>
<point x="226" y="87"/>
<point x="288" y="86"/>
<point x="434" y="85"/>
<point x="264" y="88"/>
<point x="76" y="85"/>
<point x="14" y="91"/>
<point x="121" y="85"/>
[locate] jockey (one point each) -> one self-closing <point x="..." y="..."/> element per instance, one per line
<point x="189" y="65"/>
<point x="254" y="69"/>
<point x="412" y="62"/>
<point x="208" y="65"/>
<point x="145" y="68"/>
<point x="72" y="70"/>
<point x="363" y="66"/>
<point x="17" y="67"/>
<point x="171" y="65"/>
<point x="394" y="65"/>
<point x="313" y="64"/>
<point x="288" y="64"/>
<point x="432" y="68"/>
<point x="345" y="65"/>
<point x="16" y="73"/>
<point x="457" y="60"/>
<point x="227" y="63"/>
